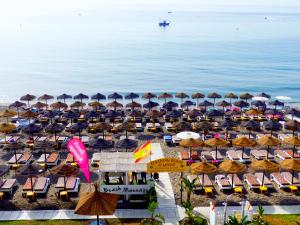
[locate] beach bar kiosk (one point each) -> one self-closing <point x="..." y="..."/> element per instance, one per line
<point x="119" y="174"/>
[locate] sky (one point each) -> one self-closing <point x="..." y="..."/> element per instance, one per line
<point x="15" y="8"/>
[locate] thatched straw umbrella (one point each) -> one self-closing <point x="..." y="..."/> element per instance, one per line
<point x="294" y="141"/>
<point x="182" y="126"/>
<point x="216" y="142"/>
<point x="214" y="96"/>
<point x="205" y="104"/>
<point x="203" y="168"/>
<point x="114" y="105"/>
<point x="231" y="96"/>
<point x="293" y="125"/>
<point x="149" y="96"/>
<point x="64" y="97"/>
<point x="132" y="96"/>
<point x="103" y="126"/>
<point x="40" y="105"/>
<point x="133" y="105"/>
<point x="246" y="96"/>
<point x="17" y="105"/>
<point x="59" y="106"/>
<point x="242" y="104"/>
<point x="181" y="96"/>
<point x="46" y="97"/>
<point x="77" y="105"/>
<point x="27" y="98"/>
<point x="71" y="115"/>
<point x="187" y="103"/>
<point x="95" y="105"/>
<point x="254" y="112"/>
<point x="203" y="126"/>
<point x="115" y="96"/>
<point x="165" y="96"/>
<point x="223" y="104"/>
<point x="80" y="97"/>
<point x="268" y="141"/>
<point x="7" y="128"/>
<point x="264" y="165"/>
<point x="97" y="203"/>
<point x="272" y="125"/>
<point x="243" y="142"/>
<point x="127" y="126"/>
<point x="65" y="171"/>
<point x="7" y="114"/>
<point x="197" y="96"/>
<point x="232" y="167"/>
<point x="98" y="97"/>
<point x="29" y="115"/>
<point x="292" y="165"/>
<point x="149" y="105"/>
<point x="191" y="143"/>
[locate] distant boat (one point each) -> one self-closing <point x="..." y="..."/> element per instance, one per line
<point x="164" y="23"/>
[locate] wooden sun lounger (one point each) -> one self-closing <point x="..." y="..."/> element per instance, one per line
<point x="251" y="181"/>
<point x="282" y="154"/>
<point x="267" y="181"/>
<point x="288" y="177"/>
<point x="279" y="180"/>
<point x="26" y="158"/>
<point x="185" y="155"/>
<point x="222" y="182"/>
<point x="175" y="140"/>
<point x="232" y="155"/>
<point x="220" y="156"/>
<point x="53" y="159"/>
<point x="13" y="159"/>
<point x="236" y="180"/>
<point x="3" y="169"/>
<point x="290" y="153"/>
<point x="261" y="154"/>
<point x="206" y="156"/>
<point x="70" y="159"/>
<point x="42" y="159"/>
<point x="72" y="184"/>
<point x="199" y="184"/>
<point x="40" y="185"/>
<point x="245" y="158"/>
<point x="7" y="185"/>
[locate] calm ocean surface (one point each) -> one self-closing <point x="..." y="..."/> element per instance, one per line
<point x="124" y="51"/>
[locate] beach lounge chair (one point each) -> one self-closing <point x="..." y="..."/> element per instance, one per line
<point x="139" y="127"/>
<point x="288" y="177"/>
<point x="41" y="139"/>
<point x="267" y="182"/>
<point x="220" y="156"/>
<point x="244" y="157"/>
<point x="26" y="158"/>
<point x="13" y="159"/>
<point x="185" y="155"/>
<point x="169" y="127"/>
<point x="72" y="184"/>
<point x="282" y="154"/>
<point x="251" y="181"/>
<point x="261" y="154"/>
<point x="222" y="182"/>
<point x="279" y="180"/>
<point x="199" y="182"/>
<point x="62" y="139"/>
<point x="206" y="156"/>
<point x="7" y="185"/>
<point x="14" y="138"/>
<point x="232" y="155"/>
<point x="40" y="185"/>
<point x="290" y="153"/>
<point x="85" y="139"/>
<point x="236" y="181"/>
<point x="42" y="158"/>
<point x="95" y="160"/>
<point x="2" y="140"/>
<point x="70" y="159"/>
<point x="167" y="139"/>
<point x="53" y="159"/>
<point x="3" y="170"/>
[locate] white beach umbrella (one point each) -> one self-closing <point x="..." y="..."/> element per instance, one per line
<point x="283" y="98"/>
<point x="187" y="135"/>
<point x="259" y="98"/>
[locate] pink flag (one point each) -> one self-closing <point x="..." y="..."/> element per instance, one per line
<point x="78" y="150"/>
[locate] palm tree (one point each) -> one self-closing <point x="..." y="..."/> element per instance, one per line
<point x="189" y="186"/>
<point x="156" y="218"/>
<point x="235" y="221"/>
<point x="191" y="218"/>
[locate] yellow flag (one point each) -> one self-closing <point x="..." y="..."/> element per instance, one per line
<point x="142" y="151"/>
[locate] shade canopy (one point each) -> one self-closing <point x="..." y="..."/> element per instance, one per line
<point x="115" y="96"/>
<point x="214" y="95"/>
<point x="150" y="105"/>
<point x="243" y="142"/>
<point x="45" y="97"/>
<point x="194" y="113"/>
<point x="81" y="96"/>
<point x="203" y="125"/>
<point x="187" y="103"/>
<point x="295" y="141"/>
<point x="293" y="125"/>
<point x="258" y="103"/>
<point x="64" y="97"/>
<point x="7" y="113"/>
<point x="149" y="95"/>
<point x="272" y="125"/>
<point x="7" y="127"/>
<point x="133" y="105"/>
<point x="112" y="114"/>
<point x="54" y="128"/>
<point x="214" y="113"/>
<point x="29" y="114"/>
<point x="39" y="105"/>
<point x="232" y="167"/>
<point x="17" y="104"/>
<point x="95" y="104"/>
<point x="174" y="114"/>
<point x="198" y="95"/>
<point x="98" y="97"/>
<point x="32" y="129"/>
<point x="263" y="94"/>
<point x="251" y="124"/>
<point x="77" y="104"/>
<point x="290" y="164"/>
<point x="114" y="104"/>
<point x="131" y="96"/>
<point x="246" y="96"/>
<point x="181" y="95"/>
<point x="264" y="165"/>
<point x="203" y="168"/>
<point x="70" y="115"/>
<point x="223" y="103"/>
<point x="266" y="140"/>
<point x="216" y="142"/>
<point x="27" y="97"/>
<point x="241" y="104"/>
<point x="153" y="114"/>
<point x="231" y="95"/>
<point x="59" y="105"/>
<point x="96" y="203"/>
<point x="205" y="103"/>
<point x="165" y="96"/>
<point x="191" y="143"/>
<point x="170" y="104"/>
<point x="253" y="112"/>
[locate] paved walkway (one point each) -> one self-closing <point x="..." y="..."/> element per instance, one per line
<point x="165" y="195"/>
